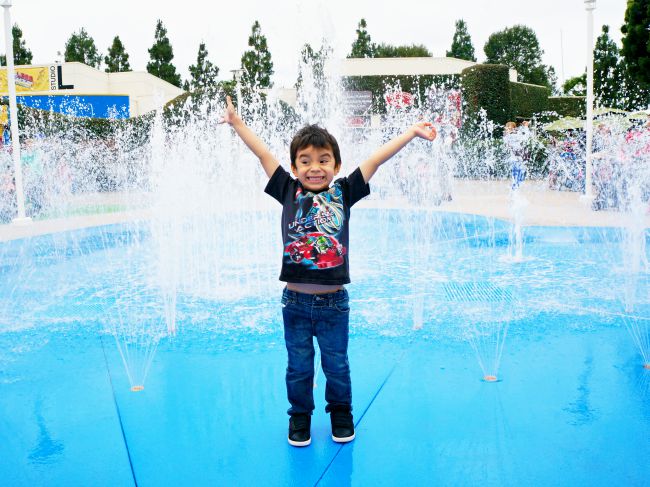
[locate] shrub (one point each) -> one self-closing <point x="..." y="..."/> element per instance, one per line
<point x="567" y="106"/>
<point x="528" y="100"/>
<point x="486" y="86"/>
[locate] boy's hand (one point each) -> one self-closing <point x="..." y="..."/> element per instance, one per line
<point x="425" y="130"/>
<point x="230" y="115"/>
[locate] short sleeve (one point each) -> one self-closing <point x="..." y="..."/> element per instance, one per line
<point x="357" y="187"/>
<point x="279" y="184"/>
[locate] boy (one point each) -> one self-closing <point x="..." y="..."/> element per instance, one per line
<point x="315" y="233"/>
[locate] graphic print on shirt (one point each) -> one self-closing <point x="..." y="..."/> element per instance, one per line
<point x="315" y="229"/>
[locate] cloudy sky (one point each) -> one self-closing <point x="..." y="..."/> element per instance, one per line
<point x="225" y="26"/>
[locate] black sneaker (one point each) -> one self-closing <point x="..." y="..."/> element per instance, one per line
<point x="342" y="424"/>
<point x="299" y="430"/>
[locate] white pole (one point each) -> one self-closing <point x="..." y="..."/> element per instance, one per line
<point x="590" y="5"/>
<point x="13" y="116"/>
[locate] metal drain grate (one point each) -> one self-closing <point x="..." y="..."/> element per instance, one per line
<point x="476" y="291"/>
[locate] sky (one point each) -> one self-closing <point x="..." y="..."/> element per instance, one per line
<point x="560" y="25"/>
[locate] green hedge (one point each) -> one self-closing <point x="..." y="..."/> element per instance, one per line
<point x="33" y="122"/>
<point x="567" y="106"/>
<point x="528" y="100"/>
<point x="486" y="86"/>
<point x="416" y="85"/>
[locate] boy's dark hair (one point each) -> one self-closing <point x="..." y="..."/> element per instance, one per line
<point x="317" y="137"/>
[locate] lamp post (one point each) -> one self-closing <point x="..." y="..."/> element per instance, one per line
<point x="237" y="75"/>
<point x="13" y="116"/>
<point x="590" y="6"/>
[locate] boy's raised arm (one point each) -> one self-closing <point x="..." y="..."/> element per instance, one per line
<point x="424" y="130"/>
<point x="250" y="138"/>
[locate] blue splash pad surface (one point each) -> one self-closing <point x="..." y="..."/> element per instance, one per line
<point x="576" y="412"/>
<point x="572" y="406"/>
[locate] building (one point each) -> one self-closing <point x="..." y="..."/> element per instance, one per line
<point x="406" y="66"/>
<point x="80" y="90"/>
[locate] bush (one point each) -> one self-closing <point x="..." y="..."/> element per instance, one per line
<point x="417" y="85"/>
<point x="528" y="100"/>
<point x="486" y="86"/>
<point x="567" y="106"/>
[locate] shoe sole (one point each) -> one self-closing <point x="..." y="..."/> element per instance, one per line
<point x="346" y="439"/>
<point x="299" y="443"/>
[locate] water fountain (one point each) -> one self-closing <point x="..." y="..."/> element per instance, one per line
<point x="188" y="275"/>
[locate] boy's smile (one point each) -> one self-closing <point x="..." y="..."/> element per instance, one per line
<point x="315" y="167"/>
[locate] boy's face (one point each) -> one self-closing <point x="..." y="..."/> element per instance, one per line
<point x="315" y="167"/>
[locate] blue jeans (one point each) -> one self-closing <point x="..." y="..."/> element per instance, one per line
<point x="518" y="174"/>
<point x="326" y="317"/>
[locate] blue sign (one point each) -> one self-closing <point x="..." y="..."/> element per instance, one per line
<point x="93" y="106"/>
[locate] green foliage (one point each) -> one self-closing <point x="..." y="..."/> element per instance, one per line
<point x="203" y="74"/>
<point x="518" y="48"/>
<point x="576" y="86"/>
<point x="461" y="45"/>
<point x="552" y="80"/>
<point x="256" y="62"/>
<point x="608" y="77"/>
<point x="538" y="162"/>
<point x="362" y="46"/>
<point x="634" y="94"/>
<point x="117" y="60"/>
<point x="636" y="40"/>
<point x="22" y="55"/>
<point x="414" y="50"/>
<point x="76" y="129"/>
<point x="417" y="85"/>
<point x="81" y="48"/>
<point x="314" y="61"/>
<point x="528" y="100"/>
<point x="161" y="55"/>
<point x="614" y="85"/>
<point x="486" y="86"/>
<point x="567" y="106"/>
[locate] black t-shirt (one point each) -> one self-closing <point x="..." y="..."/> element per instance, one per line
<point x="315" y="227"/>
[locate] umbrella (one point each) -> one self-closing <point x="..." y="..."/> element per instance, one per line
<point x="566" y="123"/>
<point x="640" y="115"/>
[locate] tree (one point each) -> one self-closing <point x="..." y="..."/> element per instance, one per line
<point x="117" y="60"/>
<point x="362" y="47"/>
<point x="461" y="45"/>
<point x="576" y="86"/>
<point x="81" y="48"/>
<point x="636" y="40"/>
<point x="314" y="61"/>
<point x="257" y="63"/>
<point x="552" y="80"/>
<point x="203" y="74"/>
<point x="608" y="77"/>
<point x="414" y="50"/>
<point x="518" y="48"/>
<point x="634" y="95"/>
<point x="22" y="55"/>
<point x="161" y="54"/>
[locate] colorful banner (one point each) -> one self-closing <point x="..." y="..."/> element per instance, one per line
<point x="43" y="78"/>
